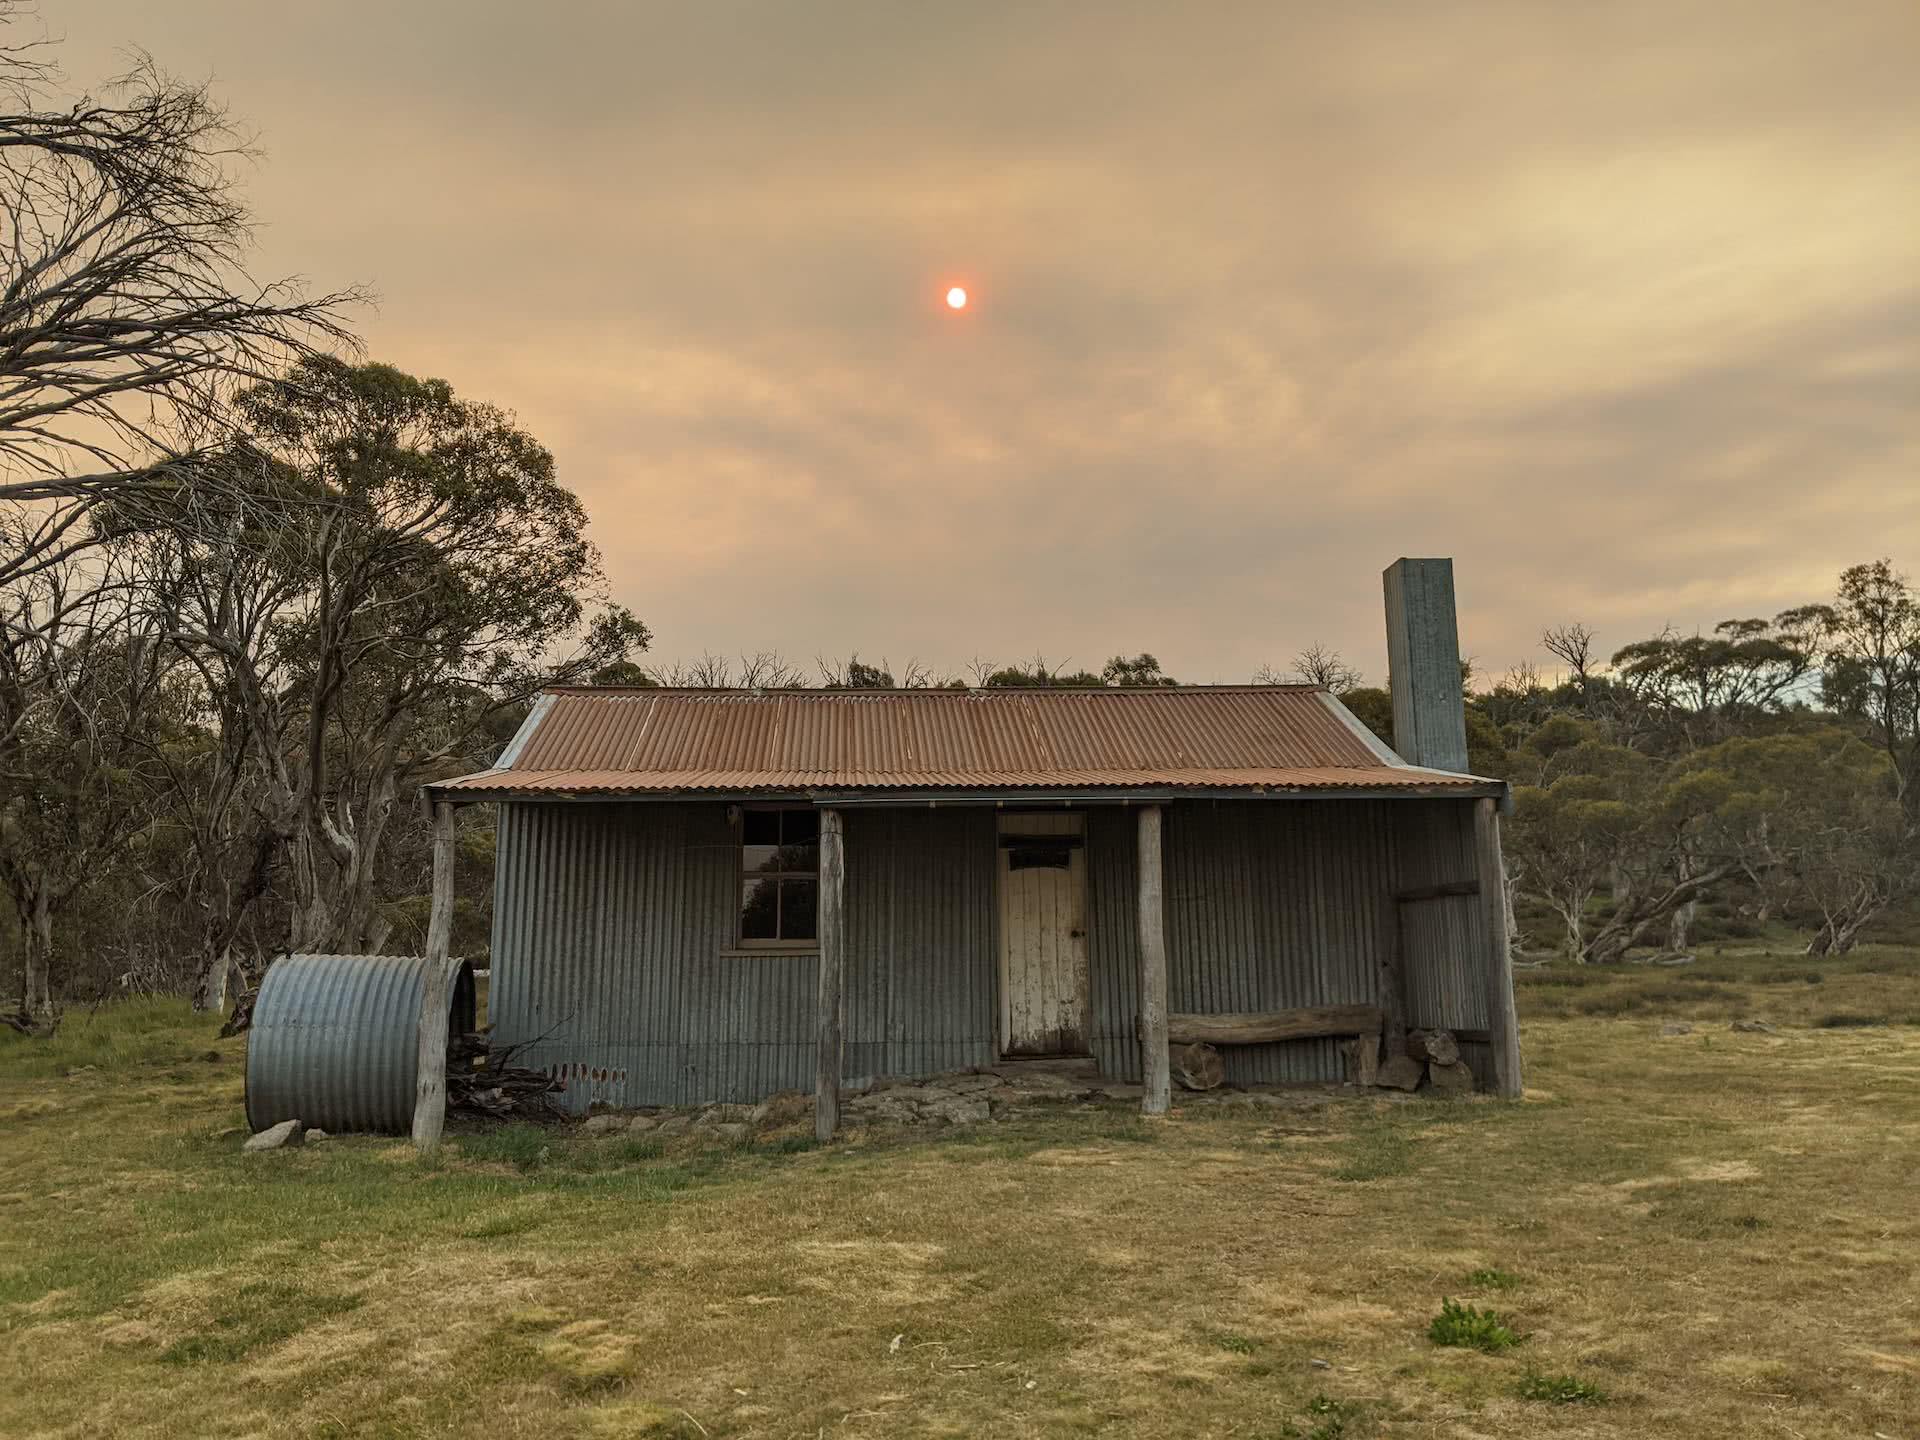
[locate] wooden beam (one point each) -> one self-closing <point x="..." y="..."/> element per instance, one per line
<point x="1503" y="1023"/>
<point x="430" y="1074"/>
<point x="833" y="962"/>
<point x="1261" y="1026"/>
<point x="1156" y="1075"/>
<point x="1440" y="892"/>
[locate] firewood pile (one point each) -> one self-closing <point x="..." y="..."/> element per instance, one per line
<point x="1429" y="1056"/>
<point x="482" y="1080"/>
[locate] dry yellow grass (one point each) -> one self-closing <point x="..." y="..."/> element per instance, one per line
<point x="1720" y="1231"/>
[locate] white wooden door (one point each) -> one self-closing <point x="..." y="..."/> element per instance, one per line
<point x="1043" y="935"/>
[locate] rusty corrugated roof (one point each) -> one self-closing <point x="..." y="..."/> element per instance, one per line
<point x="646" y="741"/>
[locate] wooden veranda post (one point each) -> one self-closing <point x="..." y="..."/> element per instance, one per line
<point x="833" y="962"/>
<point x="1155" y="1070"/>
<point x="430" y="1087"/>
<point x="1503" y="1024"/>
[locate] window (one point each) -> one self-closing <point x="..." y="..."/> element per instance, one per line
<point x="779" y="877"/>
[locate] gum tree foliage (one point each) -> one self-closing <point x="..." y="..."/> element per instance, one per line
<point x="415" y="571"/>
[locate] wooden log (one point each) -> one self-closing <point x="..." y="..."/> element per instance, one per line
<point x="1260" y="1026"/>
<point x="1156" y="1090"/>
<point x="1436" y="1047"/>
<point x="833" y="959"/>
<point x="1362" y="1055"/>
<point x="1199" y="1067"/>
<point x="430" y="1083"/>
<point x="1503" y="1023"/>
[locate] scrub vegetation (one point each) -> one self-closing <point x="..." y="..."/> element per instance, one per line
<point x="1699" y="1233"/>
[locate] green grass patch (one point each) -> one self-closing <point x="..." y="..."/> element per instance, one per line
<point x="1237" y="1343"/>
<point x="1490" y="1278"/>
<point x="1471" y="1328"/>
<point x="1560" y="1390"/>
<point x="253" y="1317"/>
<point x="1378" y="1150"/>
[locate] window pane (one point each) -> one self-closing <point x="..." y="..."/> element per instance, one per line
<point x="799" y="907"/>
<point x="800" y="827"/>
<point x="760" y="827"/>
<point x="798" y="857"/>
<point x="760" y="910"/>
<point x="1041" y="856"/>
<point x="755" y="859"/>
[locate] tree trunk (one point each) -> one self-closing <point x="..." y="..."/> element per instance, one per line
<point x="210" y="995"/>
<point x="1680" y="926"/>
<point x="37" y="969"/>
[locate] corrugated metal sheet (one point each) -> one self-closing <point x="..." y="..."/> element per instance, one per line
<point x="613" y="923"/>
<point x="610" y="927"/>
<point x="335" y="1040"/>
<point x="920" y="982"/>
<point x="1268" y="907"/>
<point x="613" y="741"/>
<point x="1444" y="941"/>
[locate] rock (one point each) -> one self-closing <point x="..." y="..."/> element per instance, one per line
<point x="1199" y="1067"/>
<point x="275" y="1137"/>
<point x="1436" y="1047"/>
<point x="1754" y="1027"/>
<point x="673" y="1125"/>
<point x="212" y="1057"/>
<point x="1676" y="1027"/>
<point x="313" y="1135"/>
<point x="958" y="1110"/>
<point x="605" y="1124"/>
<point x="640" y="1124"/>
<point x="73" y="1070"/>
<point x="1454" y="1079"/>
<point x="732" y="1131"/>
<point x="970" y="1084"/>
<point x="1400" y="1072"/>
<point x="1321" y="1364"/>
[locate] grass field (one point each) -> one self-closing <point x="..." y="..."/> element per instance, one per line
<point x="1707" y="1234"/>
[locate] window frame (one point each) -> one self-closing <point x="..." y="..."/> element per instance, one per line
<point x="741" y="944"/>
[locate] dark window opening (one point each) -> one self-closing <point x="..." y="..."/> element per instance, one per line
<point x="1040" y="855"/>
<point x="779" y="876"/>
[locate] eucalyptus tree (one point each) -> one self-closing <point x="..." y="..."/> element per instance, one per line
<point x="420" y="571"/>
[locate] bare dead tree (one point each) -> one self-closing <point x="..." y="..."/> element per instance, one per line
<point x="127" y="314"/>
<point x="1572" y="646"/>
<point x="769" y="670"/>
<point x="1315" y="665"/>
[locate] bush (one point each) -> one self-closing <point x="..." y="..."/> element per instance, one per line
<point x="1470" y="1328"/>
<point x="1560" y="1390"/>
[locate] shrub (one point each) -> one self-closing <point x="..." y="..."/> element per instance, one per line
<point x="1560" y="1389"/>
<point x="1470" y="1328"/>
<point x="1841" y="1020"/>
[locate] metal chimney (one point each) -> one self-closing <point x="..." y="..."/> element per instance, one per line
<point x="1423" y="665"/>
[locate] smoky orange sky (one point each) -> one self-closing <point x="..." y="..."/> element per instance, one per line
<point x="1618" y="305"/>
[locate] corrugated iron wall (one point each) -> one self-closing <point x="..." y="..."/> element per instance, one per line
<point x="1269" y="906"/>
<point x="1445" y="940"/>
<point x="610" y="935"/>
<point x="612" y="921"/>
<point x="921" y="963"/>
<point x="609" y="932"/>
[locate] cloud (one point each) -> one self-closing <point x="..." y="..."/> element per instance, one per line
<point x="1615" y="304"/>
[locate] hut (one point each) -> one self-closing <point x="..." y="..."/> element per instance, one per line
<point x="718" y="895"/>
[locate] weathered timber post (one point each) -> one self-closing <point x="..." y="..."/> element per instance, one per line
<point x="430" y="1086"/>
<point x="1155" y="1066"/>
<point x="1503" y="1024"/>
<point x="833" y="963"/>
